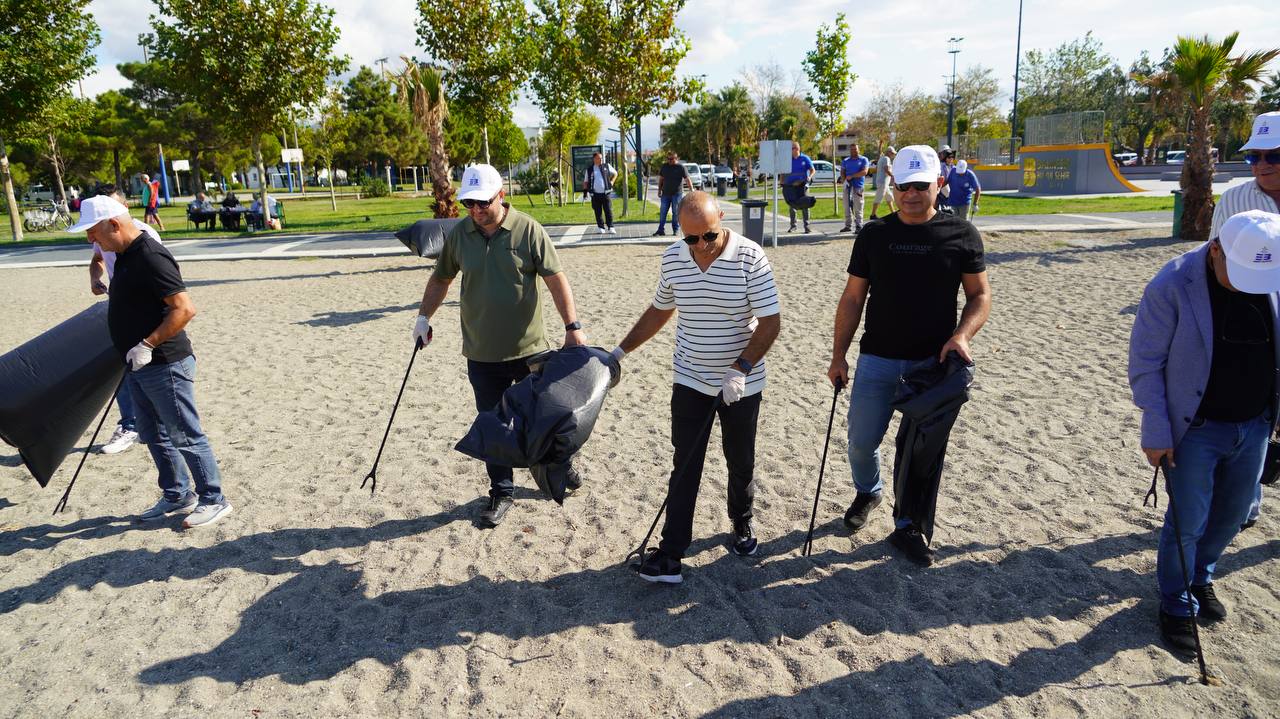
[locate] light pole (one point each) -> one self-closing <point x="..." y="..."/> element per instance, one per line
<point x="1017" y="70"/>
<point x="954" y="50"/>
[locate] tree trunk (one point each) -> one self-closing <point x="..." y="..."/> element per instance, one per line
<point x="438" y="169"/>
<point x="262" y="179"/>
<point x="1197" y="180"/>
<point x="622" y="164"/>
<point x="115" y="163"/>
<point x="835" y="182"/>
<point x="15" y="217"/>
<point x="197" y="176"/>
<point x="56" y="161"/>
<point x="560" y="173"/>
<point x="484" y="130"/>
<point x="333" y="196"/>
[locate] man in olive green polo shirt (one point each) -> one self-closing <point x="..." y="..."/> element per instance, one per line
<point x="500" y="252"/>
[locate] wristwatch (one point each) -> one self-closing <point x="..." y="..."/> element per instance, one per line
<point x="742" y="364"/>
<point x="574" y="325"/>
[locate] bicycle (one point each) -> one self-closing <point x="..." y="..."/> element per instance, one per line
<point x="54" y="215"/>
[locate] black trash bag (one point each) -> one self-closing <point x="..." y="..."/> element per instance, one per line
<point x="52" y="388"/>
<point x="794" y="195"/>
<point x="425" y="238"/>
<point x="545" y="418"/>
<point x="929" y="399"/>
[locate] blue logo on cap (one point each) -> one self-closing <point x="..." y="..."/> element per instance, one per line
<point x="1264" y="255"/>
<point x="1264" y="130"/>
<point x="475" y="180"/>
<point x="914" y="165"/>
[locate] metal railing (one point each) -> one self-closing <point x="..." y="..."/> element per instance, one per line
<point x="1068" y="128"/>
<point x="997" y="151"/>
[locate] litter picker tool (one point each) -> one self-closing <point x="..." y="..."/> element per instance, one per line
<point x="62" y="503"/>
<point x="808" y="540"/>
<point x="373" y="473"/>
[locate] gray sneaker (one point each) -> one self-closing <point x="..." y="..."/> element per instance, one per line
<point x="206" y="514"/>
<point x="164" y="508"/>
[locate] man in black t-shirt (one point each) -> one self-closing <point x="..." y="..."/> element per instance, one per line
<point x="671" y="177"/>
<point x="911" y="265"/>
<point x="147" y="311"/>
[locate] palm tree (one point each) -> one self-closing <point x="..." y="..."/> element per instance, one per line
<point x="422" y="89"/>
<point x="736" y="114"/>
<point x="1201" y="71"/>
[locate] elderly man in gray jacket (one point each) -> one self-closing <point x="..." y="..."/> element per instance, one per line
<point x="1203" y="363"/>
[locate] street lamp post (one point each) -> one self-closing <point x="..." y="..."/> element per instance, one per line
<point x="1017" y="70"/>
<point x="954" y="50"/>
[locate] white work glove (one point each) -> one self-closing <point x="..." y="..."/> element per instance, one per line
<point x="139" y="356"/>
<point x="422" y="331"/>
<point x="618" y="353"/>
<point x="975" y="209"/>
<point x="733" y="386"/>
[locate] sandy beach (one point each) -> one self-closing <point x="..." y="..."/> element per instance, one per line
<point x="317" y="599"/>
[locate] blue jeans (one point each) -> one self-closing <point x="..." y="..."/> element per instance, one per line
<point x="124" y="400"/>
<point x="164" y="405"/>
<point x="1218" y="465"/>
<point x="875" y="381"/>
<point x="671" y="202"/>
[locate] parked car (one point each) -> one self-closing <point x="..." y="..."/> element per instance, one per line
<point x="724" y="171"/>
<point x="37" y="193"/>
<point x="824" y="173"/>
<point x="695" y="175"/>
<point x="1175" y="157"/>
<point x="1126" y="159"/>
<point x="708" y="175"/>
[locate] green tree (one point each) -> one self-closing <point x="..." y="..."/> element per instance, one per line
<point x="1076" y="76"/>
<point x="895" y="116"/>
<point x="556" y="79"/>
<point x="631" y="69"/>
<point x="278" y="58"/>
<point x="167" y="114"/>
<point x="379" y="121"/>
<point x="485" y="49"/>
<point x="43" y="49"/>
<point x="828" y="69"/>
<point x="787" y="117"/>
<point x="1269" y="96"/>
<point x="1201" y="72"/>
<point x="327" y="139"/>
<point x="423" y="92"/>
<point x="734" y="113"/>
<point x="62" y="116"/>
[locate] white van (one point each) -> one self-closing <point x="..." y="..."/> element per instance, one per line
<point x="695" y="175"/>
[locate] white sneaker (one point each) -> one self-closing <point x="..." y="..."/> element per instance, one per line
<point x="164" y="507"/>
<point x="612" y="231"/>
<point x="601" y="231"/>
<point x="206" y="514"/>
<point x="121" y="440"/>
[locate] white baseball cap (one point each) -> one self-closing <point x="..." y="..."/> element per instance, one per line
<point x="1266" y="133"/>
<point x="480" y="182"/>
<point x="962" y="166"/>
<point x="96" y="209"/>
<point x="916" y="163"/>
<point x="1251" y="244"/>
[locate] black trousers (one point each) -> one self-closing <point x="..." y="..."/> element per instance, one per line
<point x="689" y="411"/>
<point x="488" y="381"/>
<point x="602" y="204"/>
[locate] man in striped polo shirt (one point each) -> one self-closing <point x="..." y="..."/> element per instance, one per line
<point x="1262" y="152"/>
<point x="722" y="285"/>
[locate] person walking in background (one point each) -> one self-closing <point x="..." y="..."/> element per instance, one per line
<point x="722" y="285"/>
<point x="965" y="190"/>
<point x="884" y="182"/>
<point x="801" y="172"/>
<point x="150" y="202"/>
<point x="1262" y="152"/>
<point x="672" y="176"/>
<point x="1202" y="366"/>
<point x="853" y="173"/>
<point x="599" y="184"/>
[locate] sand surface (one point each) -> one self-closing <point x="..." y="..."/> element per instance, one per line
<point x="316" y="599"/>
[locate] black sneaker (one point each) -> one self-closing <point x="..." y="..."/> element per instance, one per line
<point x="806" y="229"/>
<point x="1178" y="633"/>
<point x="659" y="233"/>
<point x="658" y="566"/>
<point x="1211" y="608"/>
<point x="744" y="540"/>
<point x="1248" y="523"/>
<point x="792" y="228"/>
<point x="572" y="481"/>
<point x="497" y="509"/>
<point x="911" y="542"/>
<point x="856" y="517"/>
<point x="873" y="216"/>
<point x="846" y="228"/>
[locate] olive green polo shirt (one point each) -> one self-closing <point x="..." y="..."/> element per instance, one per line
<point x="501" y="310"/>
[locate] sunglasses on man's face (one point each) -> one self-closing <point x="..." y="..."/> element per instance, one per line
<point x="708" y="236"/>
<point x="482" y="204"/>
<point x="917" y="186"/>
<point x="1271" y="158"/>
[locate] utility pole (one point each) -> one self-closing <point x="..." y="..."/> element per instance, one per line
<point x="954" y="50"/>
<point x="1017" y="70"/>
<point x="382" y="63"/>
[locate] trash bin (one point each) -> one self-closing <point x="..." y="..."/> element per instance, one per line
<point x="743" y="186"/>
<point x="1177" y="214"/>
<point x="722" y="186"/>
<point x="753" y="220"/>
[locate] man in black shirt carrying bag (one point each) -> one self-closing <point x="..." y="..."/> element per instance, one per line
<point x="904" y="270"/>
<point x="149" y="307"/>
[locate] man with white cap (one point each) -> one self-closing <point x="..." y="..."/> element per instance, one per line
<point x="1262" y="152"/>
<point x="905" y="270"/>
<point x="148" y="309"/>
<point x="1203" y="360"/>
<point x="965" y="190"/>
<point x="501" y="252"/>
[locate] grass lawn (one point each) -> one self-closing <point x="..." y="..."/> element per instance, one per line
<point x="364" y="215"/>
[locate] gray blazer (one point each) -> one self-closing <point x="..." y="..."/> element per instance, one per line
<point x="1171" y="349"/>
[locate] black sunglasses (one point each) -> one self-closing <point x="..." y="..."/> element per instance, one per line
<point x="917" y="186"/>
<point x="1271" y="158"/>
<point x="482" y="204"/>
<point x="708" y="236"/>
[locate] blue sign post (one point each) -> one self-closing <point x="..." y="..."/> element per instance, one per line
<point x="164" y="178"/>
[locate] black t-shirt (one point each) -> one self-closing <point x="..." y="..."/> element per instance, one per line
<point x="1242" y="375"/>
<point x="914" y="274"/>
<point x="145" y="274"/>
<point x="673" y="177"/>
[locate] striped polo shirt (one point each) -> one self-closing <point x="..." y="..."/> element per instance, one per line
<point x="1240" y="198"/>
<point x="717" y="310"/>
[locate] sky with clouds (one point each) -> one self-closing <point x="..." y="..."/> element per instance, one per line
<point x="892" y="41"/>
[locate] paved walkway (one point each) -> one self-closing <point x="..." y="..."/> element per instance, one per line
<point x="367" y="244"/>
